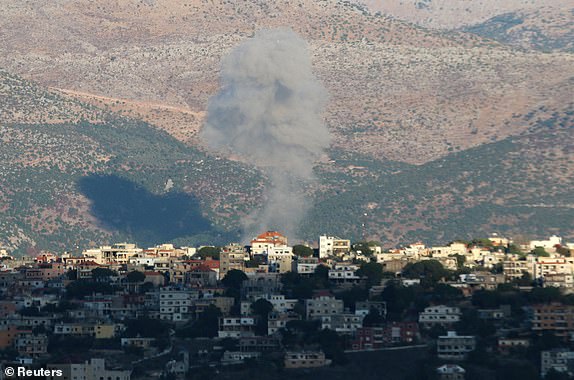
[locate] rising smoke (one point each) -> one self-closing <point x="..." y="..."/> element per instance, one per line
<point x="268" y="111"/>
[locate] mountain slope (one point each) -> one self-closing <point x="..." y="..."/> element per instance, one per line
<point x="546" y="29"/>
<point x="521" y="185"/>
<point x="69" y="182"/>
<point x="398" y="92"/>
<point x="450" y="14"/>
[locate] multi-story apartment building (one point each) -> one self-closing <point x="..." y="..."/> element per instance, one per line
<point x="439" y="315"/>
<point x="32" y="345"/>
<point x="175" y="304"/>
<point x="455" y="347"/>
<point x="554" y="317"/>
<point x="333" y="246"/>
<point x="344" y="323"/>
<point x="236" y="327"/>
<point x="560" y="280"/>
<point x="115" y="254"/>
<point x="322" y="305"/>
<point x="305" y="359"/>
<point x="279" y="258"/>
<point x="305" y="265"/>
<point x="559" y="360"/>
<point x="266" y="240"/>
<point x="450" y="372"/>
<point x="94" y="369"/>
<point x="231" y="257"/>
<point x="344" y="273"/>
<point x="514" y="268"/>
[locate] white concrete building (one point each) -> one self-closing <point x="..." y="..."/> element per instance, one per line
<point x="439" y="315"/>
<point x="546" y="244"/>
<point x="333" y="246"/>
<point x="175" y="304"/>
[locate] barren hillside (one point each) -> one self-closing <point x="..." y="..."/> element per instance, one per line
<point x="397" y="92"/>
<point x="450" y="14"/>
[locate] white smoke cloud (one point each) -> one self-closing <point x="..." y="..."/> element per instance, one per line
<point x="269" y="112"/>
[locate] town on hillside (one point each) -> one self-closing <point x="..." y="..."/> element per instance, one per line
<point x="488" y="308"/>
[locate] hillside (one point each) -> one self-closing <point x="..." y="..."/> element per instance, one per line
<point x="546" y="29"/>
<point x="68" y="181"/>
<point x="521" y="185"/>
<point x="451" y="14"/>
<point x="436" y="134"/>
<point x="398" y="92"/>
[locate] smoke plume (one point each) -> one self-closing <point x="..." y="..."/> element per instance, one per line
<point x="268" y="111"/>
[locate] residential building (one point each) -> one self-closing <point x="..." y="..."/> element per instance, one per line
<point x="514" y="268"/>
<point x="554" y="317"/>
<point x="236" y="327"/>
<point x="322" y="305"/>
<point x="237" y="357"/>
<point x="450" y="372"/>
<point x="344" y="323"/>
<point x="439" y="315"/>
<point x="344" y="273"/>
<point x="175" y="304"/>
<point x="305" y="359"/>
<point x="333" y="246"/>
<point x="115" y="254"/>
<point x="455" y="347"/>
<point x="231" y="257"/>
<point x="279" y="258"/>
<point x="507" y="345"/>
<point x="549" y="244"/>
<point x="94" y="369"/>
<point x="560" y="360"/>
<point x="305" y="265"/>
<point x="266" y="240"/>
<point x="32" y="345"/>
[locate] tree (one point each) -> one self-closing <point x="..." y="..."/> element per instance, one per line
<point x="363" y="247"/>
<point x="373" y="272"/>
<point x="525" y="280"/>
<point x="482" y="242"/>
<point x="443" y="293"/>
<point x="261" y="308"/>
<point x="429" y="271"/>
<point x="302" y="250"/>
<point x="234" y="278"/>
<point x="213" y="252"/>
<point x="460" y="260"/>
<point x="206" y="325"/>
<point x="102" y="274"/>
<point x="564" y="251"/>
<point x="540" y="251"/>
<point x="544" y="295"/>
<point x="398" y="298"/>
<point x="135" y="277"/>
<point x="374" y="318"/>
<point x="72" y="274"/>
<point x="353" y="295"/>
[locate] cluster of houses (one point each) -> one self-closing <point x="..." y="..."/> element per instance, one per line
<point x="177" y="284"/>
